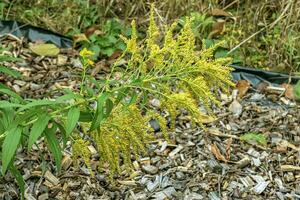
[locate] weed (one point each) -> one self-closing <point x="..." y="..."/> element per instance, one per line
<point x="254" y="137"/>
<point x="107" y="42"/>
<point x="115" y="115"/>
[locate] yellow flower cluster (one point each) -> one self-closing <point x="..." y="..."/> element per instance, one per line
<point x="177" y="67"/>
<point x="174" y="73"/>
<point x="86" y="55"/>
<point x="125" y="132"/>
<point x="80" y="150"/>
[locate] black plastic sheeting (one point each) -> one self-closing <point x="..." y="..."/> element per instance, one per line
<point x="32" y="33"/>
<point x="256" y="76"/>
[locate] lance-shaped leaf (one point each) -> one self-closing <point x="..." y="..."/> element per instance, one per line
<point x="72" y="119"/>
<point x="38" y="128"/>
<point x="9" y="146"/>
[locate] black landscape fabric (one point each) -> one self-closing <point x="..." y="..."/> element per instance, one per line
<point x="32" y="33"/>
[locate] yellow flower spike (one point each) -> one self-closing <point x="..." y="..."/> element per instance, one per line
<point x="86" y="53"/>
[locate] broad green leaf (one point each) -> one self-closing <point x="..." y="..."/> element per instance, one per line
<point x="99" y="115"/>
<point x="44" y="49"/>
<point x="9" y="146"/>
<point x="54" y="145"/>
<point x="10" y="72"/>
<point x="37" y="128"/>
<point x="72" y="119"/>
<point x="19" y="178"/>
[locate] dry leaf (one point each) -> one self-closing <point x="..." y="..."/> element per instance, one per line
<point x="242" y="87"/>
<point x="91" y="30"/>
<point x="101" y="65"/>
<point x="215" y="150"/>
<point x="289" y="91"/>
<point x="219" y="12"/>
<point x="79" y="38"/>
<point x="281" y="149"/>
<point x="112" y="59"/>
<point x="228" y="150"/>
<point x="217" y="28"/>
<point x="115" y="55"/>
<point x="44" y="49"/>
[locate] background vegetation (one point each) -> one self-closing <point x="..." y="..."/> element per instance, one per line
<point x="262" y="34"/>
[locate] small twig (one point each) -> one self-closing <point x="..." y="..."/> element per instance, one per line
<point x="229" y="5"/>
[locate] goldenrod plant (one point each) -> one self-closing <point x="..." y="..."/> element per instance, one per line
<point x="114" y="114"/>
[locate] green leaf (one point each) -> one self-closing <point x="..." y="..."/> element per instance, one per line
<point x="108" y="107"/>
<point x="63" y="132"/>
<point x="133" y="98"/>
<point x="121" y="45"/>
<point x="27" y="115"/>
<point x="254" y="137"/>
<point x="54" y="145"/>
<point x="10" y="72"/>
<point x="6" y="104"/>
<point x="72" y="119"/>
<point x="11" y="93"/>
<point x="9" y="146"/>
<point x="85" y="117"/>
<point x="209" y="43"/>
<point x="44" y="49"/>
<point x="37" y="128"/>
<point x="121" y="94"/>
<point x="99" y="115"/>
<point x="112" y="39"/>
<point x="42" y="102"/>
<point x="108" y="51"/>
<point x="19" y="178"/>
<point x="221" y="53"/>
<point x="96" y="50"/>
<point x="8" y="117"/>
<point x="68" y="97"/>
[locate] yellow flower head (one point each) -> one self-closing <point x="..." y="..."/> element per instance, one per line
<point x="85" y="53"/>
<point x="90" y="62"/>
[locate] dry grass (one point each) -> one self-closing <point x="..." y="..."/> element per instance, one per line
<point x="264" y="32"/>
